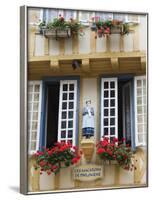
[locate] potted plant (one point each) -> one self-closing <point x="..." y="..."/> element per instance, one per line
<point x="116" y="152"/>
<point x="105" y="28"/>
<point x="61" y="155"/>
<point x="60" y="28"/>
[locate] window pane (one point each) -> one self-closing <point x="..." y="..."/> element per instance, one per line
<point x="70" y="114"/>
<point x="29" y="106"/>
<point x="112" y="112"/>
<point x="71" y="104"/>
<point x="139" y="109"/>
<point x="35" y="115"/>
<point x="140" y="119"/>
<point x="70" y="124"/>
<point x="140" y="128"/>
<point x="64" y="115"/>
<point x="36" y="97"/>
<point x="37" y="88"/>
<point x="70" y="133"/>
<point x="139" y="93"/>
<point x="71" y="87"/>
<point x="106" y="103"/>
<point x="65" y="87"/>
<point x="34" y="135"/>
<point x="112" y="121"/>
<point x="105" y="121"/>
<point x="29" y="97"/>
<point x="63" y="124"/>
<point x="112" y="84"/>
<point x="139" y="100"/>
<point x="34" y="125"/>
<point x="112" y="93"/>
<point x="30" y="88"/>
<point x="64" y="105"/>
<point x="64" y="96"/>
<point x="112" y="102"/>
<point x="105" y="112"/>
<point x="112" y="131"/>
<point x="35" y="106"/>
<point x="29" y="116"/>
<point x="71" y="96"/>
<point x="63" y="134"/>
<point x="33" y="145"/>
<point x="106" y="85"/>
<point x="106" y="94"/>
<point x="105" y="131"/>
<point x="138" y="83"/>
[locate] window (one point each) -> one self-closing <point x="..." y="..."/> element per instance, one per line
<point x="67" y="111"/>
<point x="34" y="99"/>
<point x="109" y="107"/>
<point x="104" y="16"/>
<point x="140" y="110"/>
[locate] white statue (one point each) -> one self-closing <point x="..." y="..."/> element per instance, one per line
<point x="88" y="120"/>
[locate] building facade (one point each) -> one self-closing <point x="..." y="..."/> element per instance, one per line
<point x="64" y="73"/>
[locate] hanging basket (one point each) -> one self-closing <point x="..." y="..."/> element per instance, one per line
<point x="57" y="33"/>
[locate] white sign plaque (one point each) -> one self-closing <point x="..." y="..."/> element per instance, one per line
<point x="88" y="172"/>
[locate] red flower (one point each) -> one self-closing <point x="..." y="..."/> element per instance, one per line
<point x="104" y="143"/>
<point x="50" y="152"/>
<point x="115" y="140"/>
<point x="100" y="150"/>
<point x="42" y="163"/>
<point x="74" y="160"/>
<point x="109" y="152"/>
<point x="123" y="139"/>
<point x="48" y="172"/>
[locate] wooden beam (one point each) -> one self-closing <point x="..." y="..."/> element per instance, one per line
<point x="54" y="65"/>
<point x="85" y="65"/>
<point x="115" y="63"/>
<point x="143" y="62"/>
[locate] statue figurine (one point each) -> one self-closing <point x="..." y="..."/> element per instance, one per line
<point x="88" y="120"/>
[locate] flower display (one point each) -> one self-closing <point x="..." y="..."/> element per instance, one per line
<point x="115" y="150"/>
<point x="103" y="28"/>
<point x="61" y="155"/>
<point x="60" y="24"/>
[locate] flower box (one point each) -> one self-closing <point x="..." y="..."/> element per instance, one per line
<point x="57" y="33"/>
<point x="116" y="30"/>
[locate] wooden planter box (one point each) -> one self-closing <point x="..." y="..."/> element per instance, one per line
<point x="110" y="162"/>
<point x="57" y="33"/>
<point x="116" y="30"/>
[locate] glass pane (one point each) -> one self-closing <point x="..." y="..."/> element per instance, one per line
<point x="140" y="119"/>
<point x="71" y="104"/>
<point x="106" y="85"/>
<point x="64" y="115"/>
<point x="144" y="91"/>
<point x="105" y="131"/>
<point x="144" y="100"/>
<point x="64" y="105"/>
<point x="33" y="145"/>
<point x="144" y="83"/>
<point x="145" y="109"/>
<point x="70" y="124"/>
<point x="29" y="106"/>
<point x="63" y="134"/>
<point x="37" y="88"/>
<point x="36" y="97"/>
<point x="112" y="93"/>
<point x="138" y="83"/>
<point x="70" y="133"/>
<point x="112" y="131"/>
<point x="112" y="84"/>
<point x="112" y="121"/>
<point x="112" y="112"/>
<point x="105" y="112"/>
<point x="63" y="124"/>
<point x="65" y="87"/>
<point x="71" y="87"/>
<point x="30" y="97"/>
<point x="140" y="138"/>
<point x="34" y="135"/>
<point x="106" y="103"/>
<point x="35" y="106"/>
<point x="112" y="102"/>
<point x="35" y="115"/>
<point x="71" y="96"/>
<point x="139" y="109"/>
<point x="34" y="125"/>
<point x="139" y="100"/>
<point x="64" y="97"/>
<point x="139" y="93"/>
<point x="145" y="119"/>
<point x="105" y="121"/>
<point x="140" y="128"/>
<point x="106" y="94"/>
<point x="70" y="114"/>
<point x="30" y="88"/>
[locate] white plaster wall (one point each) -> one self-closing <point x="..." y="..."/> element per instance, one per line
<point x="46" y="181"/>
<point x="115" y="42"/>
<point x="109" y="175"/>
<point x="128" y="42"/>
<point x="101" y="44"/>
<point x="53" y="46"/>
<point x="39" y="45"/>
<point x="66" y="178"/>
<point x="84" y="42"/>
<point x="126" y="177"/>
<point x="90" y="92"/>
<point x="143" y="33"/>
<point x="68" y="46"/>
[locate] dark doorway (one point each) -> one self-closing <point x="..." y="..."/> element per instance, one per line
<point x="52" y="113"/>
